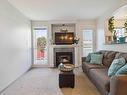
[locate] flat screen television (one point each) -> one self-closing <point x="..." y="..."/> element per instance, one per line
<point x="64" y="38"/>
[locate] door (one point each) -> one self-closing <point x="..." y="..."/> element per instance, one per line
<point x="87" y="42"/>
<point x="40" y="36"/>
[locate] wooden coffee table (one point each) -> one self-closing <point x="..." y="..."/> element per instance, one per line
<point x="67" y="79"/>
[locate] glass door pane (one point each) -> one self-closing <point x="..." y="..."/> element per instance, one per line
<point x="87" y="41"/>
<point x="40" y="50"/>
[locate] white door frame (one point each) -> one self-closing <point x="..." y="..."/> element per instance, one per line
<point x="34" y="47"/>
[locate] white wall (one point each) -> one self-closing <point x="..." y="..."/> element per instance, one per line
<point x="15" y="44"/>
<point x="100" y="30"/>
<point x="119" y="22"/>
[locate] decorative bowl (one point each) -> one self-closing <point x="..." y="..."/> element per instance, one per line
<point x="66" y="67"/>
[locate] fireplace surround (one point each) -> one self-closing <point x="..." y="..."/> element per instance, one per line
<point x="63" y="55"/>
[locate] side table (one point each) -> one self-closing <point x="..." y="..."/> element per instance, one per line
<point x="67" y="79"/>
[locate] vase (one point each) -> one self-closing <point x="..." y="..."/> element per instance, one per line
<point x="122" y="39"/>
<point x="76" y="41"/>
<point x="114" y="37"/>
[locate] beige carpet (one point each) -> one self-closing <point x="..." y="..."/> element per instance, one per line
<point x="44" y="81"/>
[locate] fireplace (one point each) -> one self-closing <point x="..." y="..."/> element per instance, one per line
<point x="63" y="55"/>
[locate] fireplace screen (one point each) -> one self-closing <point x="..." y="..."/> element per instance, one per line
<point x="64" y="57"/>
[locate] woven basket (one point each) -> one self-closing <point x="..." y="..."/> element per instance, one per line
<point x="66" y="67"/>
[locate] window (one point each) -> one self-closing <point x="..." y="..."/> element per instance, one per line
<point x="87" y="41"/>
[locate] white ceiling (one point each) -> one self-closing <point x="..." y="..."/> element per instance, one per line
<point x="62" y="9"/>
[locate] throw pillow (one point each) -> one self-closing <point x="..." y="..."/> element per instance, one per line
<point x="96" y="58"/>
<point x="122" y="70"/>
<point x="116" y="64"/>
<point x="88" y="58"/>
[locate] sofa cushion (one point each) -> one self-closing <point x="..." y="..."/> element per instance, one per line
<point x="122" y="70"/>
<point x="108" y="58"/>
<point x="115" y="66"/>
<point x="121" y="55"/>
<point x="100" y="78"/>
<point x="88" y="66"/>
<point x="104" y="52"/>
<point x="96" y="58"/>
<point x="88" y="58"/>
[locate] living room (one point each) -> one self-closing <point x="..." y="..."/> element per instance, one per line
<point x="67" y="25"/>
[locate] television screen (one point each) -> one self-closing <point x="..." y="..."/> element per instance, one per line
<point x="64" y="38"/>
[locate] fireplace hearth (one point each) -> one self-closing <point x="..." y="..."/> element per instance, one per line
<point x="63" y="55"/>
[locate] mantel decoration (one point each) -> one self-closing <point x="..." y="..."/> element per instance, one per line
<point x="111" y="24"/>
<point x="125" y="25"/>
<point x="63" y="28"/>
<point x="111" y="28"/>
<point x="76" y="40"/>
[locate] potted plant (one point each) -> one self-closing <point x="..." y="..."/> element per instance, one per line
<point x="111" y="28"/>
<point x="125" y="25"/>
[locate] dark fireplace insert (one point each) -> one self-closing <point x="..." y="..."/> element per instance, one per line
<point x="63" y="55"/>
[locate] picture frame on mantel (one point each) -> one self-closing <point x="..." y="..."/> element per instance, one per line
<point x="108" y="39"/>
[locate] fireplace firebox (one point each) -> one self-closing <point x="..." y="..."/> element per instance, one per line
<point x="63" y="55"/>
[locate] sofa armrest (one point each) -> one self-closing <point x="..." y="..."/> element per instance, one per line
<point x="118" y="85"/>
<point x="83" y="59"/>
